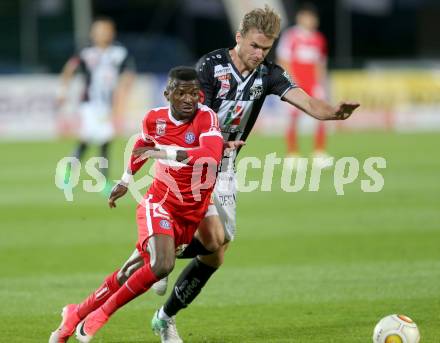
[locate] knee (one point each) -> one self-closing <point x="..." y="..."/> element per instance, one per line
<point x="127" y="270"/>
<point x="211" y="234"/>
<point x="216" y="259"/>
<point x="161" y="267"/>
<point x="212" y="242"/>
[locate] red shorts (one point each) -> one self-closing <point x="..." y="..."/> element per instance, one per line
<point x="152" y="219"/>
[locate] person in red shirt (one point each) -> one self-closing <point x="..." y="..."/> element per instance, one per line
<point x="185" y="140"/>
<point x="302" y="52"/>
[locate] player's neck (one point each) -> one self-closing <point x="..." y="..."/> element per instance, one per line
<point x="102" y="46"/>
<point x="241" y="67"/>
<point x="178" y="117"/>
<point x="306" y="30"/>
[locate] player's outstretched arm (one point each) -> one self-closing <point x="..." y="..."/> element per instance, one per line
<point x="319" y="109"/>
<point x="66" y="77"/>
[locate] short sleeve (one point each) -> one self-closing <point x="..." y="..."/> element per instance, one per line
<point x="279" y="82"/>
<point x="77" y="62"/>
<point x="146" y="129"/>
<point x="128" y="64"/>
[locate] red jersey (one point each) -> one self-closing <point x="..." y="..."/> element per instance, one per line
<point x="303" y="50"/>
<point x="184" y="188"/>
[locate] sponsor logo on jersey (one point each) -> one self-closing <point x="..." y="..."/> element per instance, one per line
<point x="161" y="124"/>
<point x="165" y="224"/>
<point x="227" y="200"/>
<point x="220" y="70"/>
<point x="256" y="91"/>
<point x="307" y="54"/>
<point x="190" y="137"/>
<point x="224" y="88"/>
<point x="233" y="116"/>
<point x="225" y="84"/>
<point x="224" y="77"/>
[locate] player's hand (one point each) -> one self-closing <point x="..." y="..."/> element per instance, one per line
<point x="142" y="153"/>
<point x="60" y="101"/>
<point x="139" y="151"/>
<point x="345" y="109"/>
<point x="118" y="191"/>
<point x="232" y="145"/>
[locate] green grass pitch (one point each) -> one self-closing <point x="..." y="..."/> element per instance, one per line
<point x="305" y="267"/>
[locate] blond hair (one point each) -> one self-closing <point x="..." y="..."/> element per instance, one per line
<point x="266" y="21"/>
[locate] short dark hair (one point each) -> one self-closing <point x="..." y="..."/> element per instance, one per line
<point x="183" y="73"/>
<point x="308" y="7"/>
<point x="104" y="18"/>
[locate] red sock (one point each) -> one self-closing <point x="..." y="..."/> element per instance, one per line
<point x="291" y="136"/>
<point x="320" y="137"/>
<point x="137" y="284"/>
<point x="98" y="297"/>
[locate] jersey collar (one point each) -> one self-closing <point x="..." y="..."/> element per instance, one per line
<point x="174" y="120"/>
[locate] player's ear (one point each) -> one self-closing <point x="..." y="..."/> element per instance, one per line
<point x="238" y="37"/>
<point x="166" y="94"/>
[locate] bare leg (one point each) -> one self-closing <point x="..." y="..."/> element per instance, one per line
<point x="160" y="263"/>
<point x="292" y="134"/>
<point x="212" y="236"/>
<point x="134" y="262"/>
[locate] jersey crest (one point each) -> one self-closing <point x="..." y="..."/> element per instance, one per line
<point x="161" y="125"/>
<point x="190" y="137"/>
<point x="256" y="91"/>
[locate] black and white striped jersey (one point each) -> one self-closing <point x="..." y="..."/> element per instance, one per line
<point x="237" y="99"/>
<point x="102" y="68"/>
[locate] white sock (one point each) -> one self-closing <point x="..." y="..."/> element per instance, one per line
<point x="162" y="315"/>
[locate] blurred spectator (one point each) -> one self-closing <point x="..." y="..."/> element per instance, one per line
<point x="108" y="71"/>
<point x="302" y="51"/>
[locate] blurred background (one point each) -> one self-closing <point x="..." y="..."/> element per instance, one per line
<point x="382" y="53"/>
<point x="308" y="267"/>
